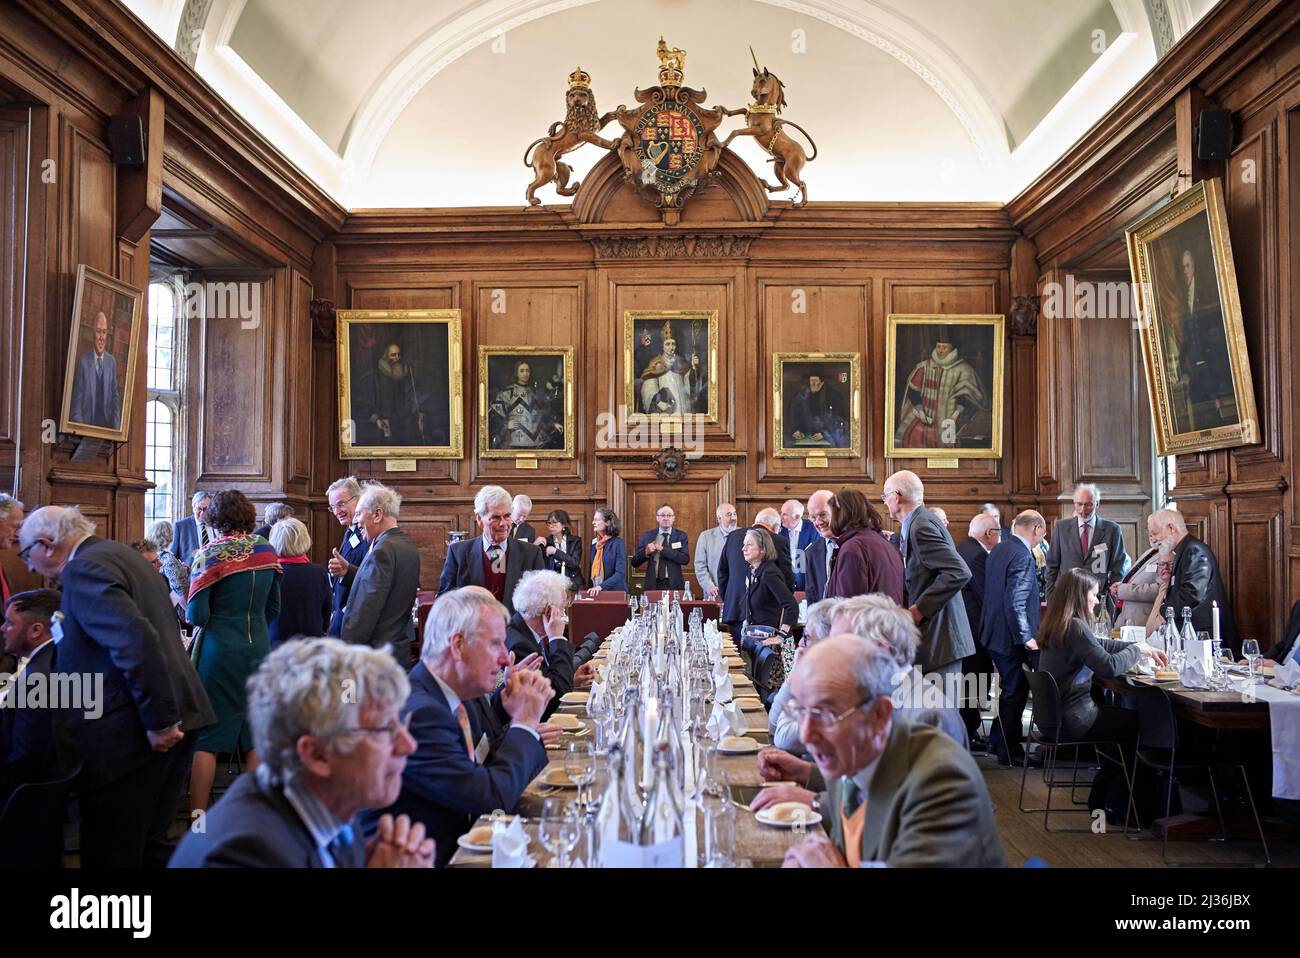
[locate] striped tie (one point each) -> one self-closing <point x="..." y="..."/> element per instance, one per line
<point x="463" y="718"/>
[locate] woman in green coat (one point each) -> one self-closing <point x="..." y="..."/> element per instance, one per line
<point x="234" y="593"/>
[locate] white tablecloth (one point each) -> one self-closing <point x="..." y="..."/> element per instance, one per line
<point x="1284" y="717"/>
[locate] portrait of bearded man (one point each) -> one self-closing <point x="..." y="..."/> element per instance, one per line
<point x="395" y="412"/>
<point x="941" y="395"/>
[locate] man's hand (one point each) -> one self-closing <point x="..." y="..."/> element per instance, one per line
<point x="916" y="615"/>
<point x="529" y="663"/>
<point x="399" y="844"/>
<point x="776" y="764"/>
<point x="798" y="434"/>
<point x="525" y="697"/>
<point x="594" y="591"/>
<point x="817" y="436"/>
<point x="781" y="793"/>
<point x="815" y="851"/>
<point x="1114" y="590"/>
<point x="711" y="594"/>
<point x="166" y="739"/>
<point x="549" y="733"/>
<point x="652" y="547"/>
<point x="338" y="565"/>
<point x="584" y="676"/>
<point x="553" y="620"/>
<point x="1032" y="645"/>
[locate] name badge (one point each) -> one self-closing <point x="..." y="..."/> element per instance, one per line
<point x="354" y="540"/>
<point x="481" y="751"/>
<point x="56" y="632"/>
<point x="677" y="545"/>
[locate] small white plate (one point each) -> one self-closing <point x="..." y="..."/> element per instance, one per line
<point x="750" y="750"/>
<point x="464" y="842"/>
<point x="766" y="818"/>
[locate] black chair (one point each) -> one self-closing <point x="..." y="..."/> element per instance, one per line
<point x="1157" y="748"/>
<point x="31" y="824"/>
<point x="769" y="658"/>
<point x="1046" y="730"/>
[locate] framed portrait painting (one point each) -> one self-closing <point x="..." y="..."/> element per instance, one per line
<point x="816" y="404"/>
<point x="1193" y="343"/>
<point x="103" y="352"/>
<point x="944" y="386"/>
<point x="670" y="363"/>
<point x="400" y="392"/>
<point x="525" y="405"/>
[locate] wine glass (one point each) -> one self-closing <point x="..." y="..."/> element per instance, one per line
<point x="1250" y="652"/>
<point x="580" y="765"/>
<point x="559" y="830"/>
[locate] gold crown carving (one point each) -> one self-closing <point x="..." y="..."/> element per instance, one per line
<point x="672" y="64"/>
<point x="579" y="79"/>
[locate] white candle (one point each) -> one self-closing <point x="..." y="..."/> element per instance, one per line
<point x="648" y="738"/>
<point x="1214" y="610"/>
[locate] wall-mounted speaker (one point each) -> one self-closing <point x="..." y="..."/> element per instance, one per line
<point x="126" y="139"/>
<point x="1213" y="134"/>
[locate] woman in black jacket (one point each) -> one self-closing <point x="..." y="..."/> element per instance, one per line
<point x="305" y="594"/>
<point x="563" y="550"/>
<point x="767" y="600"/>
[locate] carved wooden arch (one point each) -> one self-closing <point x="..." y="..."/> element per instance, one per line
<point x="606" y="179"/>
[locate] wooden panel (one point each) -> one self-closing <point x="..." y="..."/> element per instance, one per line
<point x="234" y="392"/>
<point x="1256" y="583"/>
<point x="13" y="205"/>
<point x="299" y="387"/>
<point x="96" y="203"/>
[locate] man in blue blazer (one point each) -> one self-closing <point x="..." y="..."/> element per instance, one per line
<point x="458" y="771"/>
<point x="95" y="401"/>
<point x="665" y="550"/>
<point x="493" y="560"/>
<point x="794" y="529"/>
<point x="27" y="743"/>
<point x="817" y="556"/>
<point x="1008" y="623"/>
<point x="192" y="532"/>
<point x="345" y="561"/>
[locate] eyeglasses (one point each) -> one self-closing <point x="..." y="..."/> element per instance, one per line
<point x="24" y="553"/>
<point x="393" y="729"/>
<point x="884" y="496"/>
<point x="823" y="718"/>
<point x="341" y="504"/>
<point x="498" y="519"/>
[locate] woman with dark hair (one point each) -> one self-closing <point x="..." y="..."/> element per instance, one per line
<point x="563" y="550"/>
<point x="1072" y="655"/>
<point x="234" y="593"/>
<point x="864" y="560"/>
<point x="608" y="567"/>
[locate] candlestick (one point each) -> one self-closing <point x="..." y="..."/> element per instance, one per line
<point x="1214" y="612"/>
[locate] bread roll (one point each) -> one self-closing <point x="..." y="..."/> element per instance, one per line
<point x="790" y="811"/>
<point x="480" y="835"/>
<point x="737" y="741"/>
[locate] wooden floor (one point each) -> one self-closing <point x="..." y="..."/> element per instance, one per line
<point x="1024" y="837"/>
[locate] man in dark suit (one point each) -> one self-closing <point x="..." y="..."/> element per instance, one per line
<point x="459" y="771"/>
<point x="733" y="570"/>
<point x="27" y="744"/>
<point x="325" y="758"/>
<point x="192" y="532"/>
<point x="1195" y="582"/>
<point x="537" y="628"/>
<point x="492" y="560"/>
<point x="383" y="593"/>
<point x="521" y="507"/>
<point x="796" y="536"/>
<point x="817" y="557"/>
<point x="275" y="511"/>
<point x="94" y="383"/>
<point x="666" y="550"/>
<point x="1089" y="542"/>
<point x="135" y="739"/>
<point x="345" y="561"/>
<point x="1008" y="625"/>
<point x="1288" y="648"/>
<point x="983" y="535"/>
<point x="935" y="575"/>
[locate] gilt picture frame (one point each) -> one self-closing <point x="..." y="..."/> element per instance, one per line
<point x="104" y="349"/>
<point x="816" y="405"/>
<point x="525" y="402"/>
<point x="670" y="364"/>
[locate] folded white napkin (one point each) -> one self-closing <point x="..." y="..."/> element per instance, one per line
<point x="1132" y="633"/>
<point x="596" y="697"/>
<point x="1288" y="674"/>
<point x="1194" y="674"/>
<point x="509" y="845"/>
<point x="726" y="720"/>
<point x="723" y="691"/>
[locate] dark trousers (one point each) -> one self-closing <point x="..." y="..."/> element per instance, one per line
<point x="1113" y="724"/>
<point x="124" y="823"/>
<point x="973" y="666"/>
<point x="1011" y="703"/>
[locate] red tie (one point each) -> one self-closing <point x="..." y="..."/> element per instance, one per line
<point x="1083" y="539"/>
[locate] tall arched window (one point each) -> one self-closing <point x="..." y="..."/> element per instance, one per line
<point x="162" y="412"/>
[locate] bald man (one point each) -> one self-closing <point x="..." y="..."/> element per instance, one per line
<point x="983" y="533"/>
<point x="708" y="550"/>
<point x="895" y="793"/>
<point x="1195" y="582"/>
<point x="733" y="568"/>
<point x="796" y="536"/>
<point x="94" y="384"/>
<point x="817" y="557"/>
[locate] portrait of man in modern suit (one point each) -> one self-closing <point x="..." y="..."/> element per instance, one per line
<point x="101" y="356"/>
<point x="1089" y="542"/>
<point x="95" y="399"/>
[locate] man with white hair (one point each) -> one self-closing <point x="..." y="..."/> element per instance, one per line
<point x="984" y="532"/>
<point x="795" y="536"/>
<point x="383" y="593"/>
<point x="459" y="771"/>
<point x="895" y="792"/>
<point x="537" y="628"/>
<point x="11" y="519"/>
<point x="345" y="560"/>
<point x="1195" y="582"/>
<point x="783" y="729"/>
<point x="1089" y="542"/>
<point x="818" y="555"/>
<point x="192" y="532"/>
<point x="325" y="718"/>
<point x="733" y="569"/>
<point x="493" y="559"/>
<point x="119" y="628"/>
<point x="708" y="550"/>
<point x="520" y="528"/>
<point x="935" y="575"/>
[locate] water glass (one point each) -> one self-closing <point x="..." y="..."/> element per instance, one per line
<point x="718" y="818"/>
<point x="559" y="829"/>
<point x="580" y="765"/>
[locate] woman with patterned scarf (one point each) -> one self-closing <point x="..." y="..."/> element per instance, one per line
<point x="234" y="593"/>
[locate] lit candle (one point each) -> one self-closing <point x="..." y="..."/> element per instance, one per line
<point x="1214" y="611"/>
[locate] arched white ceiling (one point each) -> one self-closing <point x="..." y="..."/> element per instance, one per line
<point x="338" y="138"/>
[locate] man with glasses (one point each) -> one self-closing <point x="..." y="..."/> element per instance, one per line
<point x="817" y="557"/>
<point x="1089" y="542"/>
<point x="344" y="561"/>
<point x="192" y="532"/>
<point x="666" y="550"/>
<point x="326" y="723"/>
<point x="459" y="770"/>
<point x="492" y="560"/>
<point x="794" y="539"/>
<point x="892" y="792"/>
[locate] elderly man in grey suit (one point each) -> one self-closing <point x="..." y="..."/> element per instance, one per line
<point x="1089" y="542"/>
<point x="892" y="792"/>
<point x="708" y="550"/>
<point x="383" y="593"/>
<point x="935" y="574"/>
